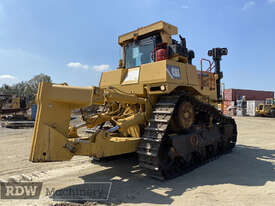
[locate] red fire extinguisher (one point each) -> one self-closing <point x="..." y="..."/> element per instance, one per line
<point x="160" y="52"/>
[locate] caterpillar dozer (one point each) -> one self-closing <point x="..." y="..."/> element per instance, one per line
<point x="156" y="103"/>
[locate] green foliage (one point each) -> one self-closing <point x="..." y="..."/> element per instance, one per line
<point x="27" y="89"/>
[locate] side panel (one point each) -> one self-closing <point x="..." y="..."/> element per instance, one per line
<point x="155" y="75"/>
<point x="192" y="75"/>
<point x="183" y="80"/>
<point x="112" y="78"/>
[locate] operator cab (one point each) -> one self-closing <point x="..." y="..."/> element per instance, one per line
<point x="141" y="51"/>
<point x="153" y="43"/>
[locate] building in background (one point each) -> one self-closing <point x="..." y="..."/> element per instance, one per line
<point x="230" y="97"/>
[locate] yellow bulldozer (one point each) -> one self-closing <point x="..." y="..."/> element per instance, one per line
<point x="156" y="103"/>
<point x="267" y="109"/>
<point x="12" y="107"/>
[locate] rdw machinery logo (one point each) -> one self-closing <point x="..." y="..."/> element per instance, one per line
<point x="20" y="190"/>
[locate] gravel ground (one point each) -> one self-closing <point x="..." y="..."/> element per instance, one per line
<point x="244" y="177"/>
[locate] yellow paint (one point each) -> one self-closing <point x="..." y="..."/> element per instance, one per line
<point x="129" y="101"/>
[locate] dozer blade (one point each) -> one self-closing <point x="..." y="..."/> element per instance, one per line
<point x="54" y="106"/>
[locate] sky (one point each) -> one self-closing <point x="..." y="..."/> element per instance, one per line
<point x="73" y="41"/>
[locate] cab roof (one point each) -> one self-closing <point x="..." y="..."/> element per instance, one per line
<point x="152" y="28"/>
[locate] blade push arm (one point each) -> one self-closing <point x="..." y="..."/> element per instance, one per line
<point x="55" y="104"/>
<point x="55" y="140"/>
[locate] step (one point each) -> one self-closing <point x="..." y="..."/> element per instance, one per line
<point x="154" y="129"/>
<point x="162" y="112"/>
<point x="147" y="153"/>
<point x="147" y="166"/>
<point x="149" y="148"/>
<point x="165" y="104"/>
<point x="159" y="120"/>
<point x="151" y="139"/>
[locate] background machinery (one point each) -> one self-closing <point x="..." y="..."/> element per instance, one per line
<point x="155" y="103"/>
<point x="267" y="109"/>
<point x="12" y="107"/>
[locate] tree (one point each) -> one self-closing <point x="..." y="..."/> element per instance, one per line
<point x="34" y="82"/>
<point x="19" y="88"/>
<point x="27" y="89"/>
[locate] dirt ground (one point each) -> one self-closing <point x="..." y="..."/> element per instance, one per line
<point x="244" y="177"/>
